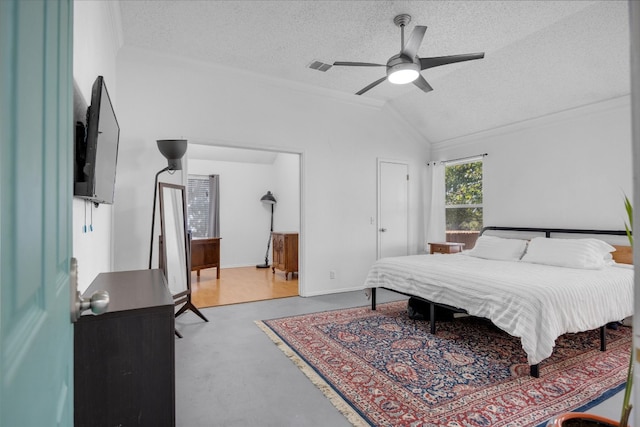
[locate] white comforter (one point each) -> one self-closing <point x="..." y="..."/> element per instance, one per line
<point x="536" y="303"/>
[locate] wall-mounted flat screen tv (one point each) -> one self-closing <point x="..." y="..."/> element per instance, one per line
<point x="96" y="148"/>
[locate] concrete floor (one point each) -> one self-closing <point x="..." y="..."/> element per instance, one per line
<point x="229" y="373"/>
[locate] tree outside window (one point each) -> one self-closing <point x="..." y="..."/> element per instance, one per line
<point x="463" y="202"/>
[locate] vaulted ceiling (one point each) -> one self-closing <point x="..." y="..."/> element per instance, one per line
<point x="541" y="57"/>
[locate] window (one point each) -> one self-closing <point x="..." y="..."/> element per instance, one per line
<point x="203" y="205"/>
<point x="198" y="205"/>
<point x="463" y="202"/>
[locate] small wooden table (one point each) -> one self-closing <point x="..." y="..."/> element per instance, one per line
<point x="445" y="247"/>
<point x="205" y="253"/>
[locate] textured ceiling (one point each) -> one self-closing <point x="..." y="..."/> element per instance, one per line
<point x="540" y="56"/>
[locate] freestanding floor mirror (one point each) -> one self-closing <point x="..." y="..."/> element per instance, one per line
<point x="175" y="248"/>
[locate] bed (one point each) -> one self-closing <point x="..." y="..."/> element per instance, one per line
<point x="544" y="284"/>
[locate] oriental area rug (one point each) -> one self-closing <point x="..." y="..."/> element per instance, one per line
<point x="381" y="368"/>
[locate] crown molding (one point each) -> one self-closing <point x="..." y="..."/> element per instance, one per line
<point x="298" y="87"/>
<point x="623" y="101"/>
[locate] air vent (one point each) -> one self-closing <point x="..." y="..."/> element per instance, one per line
<point x="320" y="66"/>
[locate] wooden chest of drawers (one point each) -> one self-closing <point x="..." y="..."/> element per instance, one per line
<point x="124" y="359"/>
<point x="285" y="253"/>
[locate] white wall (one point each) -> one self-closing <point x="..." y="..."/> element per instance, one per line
<point x="244" y="220"/>
<point x="286" y="189"/>
<point x="339" y="138"/>
<point x="567" y="170"/>
<point x="95" y="45"/>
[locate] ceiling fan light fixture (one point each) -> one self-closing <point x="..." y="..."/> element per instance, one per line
<point x="403" y="73"/>
<point x="401" y="77"/>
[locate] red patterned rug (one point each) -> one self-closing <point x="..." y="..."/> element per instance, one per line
<point x="381" y="368"/>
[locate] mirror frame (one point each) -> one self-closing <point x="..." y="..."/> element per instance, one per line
<point x="163" y="246"/>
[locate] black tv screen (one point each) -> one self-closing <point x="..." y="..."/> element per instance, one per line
<point x="96" y="148"/>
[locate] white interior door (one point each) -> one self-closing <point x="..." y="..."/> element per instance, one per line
<point x="393" y="208"/>
<point x="36" y="334"/>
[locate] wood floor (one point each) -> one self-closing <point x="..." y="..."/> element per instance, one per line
<point x="242" y="284"/>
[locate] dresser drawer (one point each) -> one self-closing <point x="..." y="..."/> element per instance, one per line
<point x="445" y="247"/>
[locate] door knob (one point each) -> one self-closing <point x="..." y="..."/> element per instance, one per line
<point x="382" y="230"/>
<point x="98" y="302"/>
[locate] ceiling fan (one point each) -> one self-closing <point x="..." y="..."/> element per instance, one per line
<point x="405" y="67"/>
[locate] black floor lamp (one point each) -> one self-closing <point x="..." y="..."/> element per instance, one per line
<point x="268" y="199"/>
<point x="173" y="150"/>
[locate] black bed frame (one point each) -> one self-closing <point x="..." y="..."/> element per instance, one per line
<point x="533" y="369"/>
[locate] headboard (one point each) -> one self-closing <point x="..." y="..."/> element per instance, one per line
<point x="616" y="238"/>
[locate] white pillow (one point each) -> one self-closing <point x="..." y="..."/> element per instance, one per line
<point x="575" y="253"/>
<point x="498" y="248"/>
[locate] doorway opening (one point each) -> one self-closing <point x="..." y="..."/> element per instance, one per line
<point x="243" y="177"/>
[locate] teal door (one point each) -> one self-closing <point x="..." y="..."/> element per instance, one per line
<point x="36" y="335"/>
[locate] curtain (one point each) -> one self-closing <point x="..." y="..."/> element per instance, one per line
<point x="436" y="224"/>
<point x="214" y="206"/>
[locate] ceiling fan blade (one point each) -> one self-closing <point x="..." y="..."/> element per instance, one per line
<point x="436" y="61"/>
<point x="422" y="84"/>
<point x="415" y="39"/>
<point x="358" y="64"/>
<point x="371" y="86"/>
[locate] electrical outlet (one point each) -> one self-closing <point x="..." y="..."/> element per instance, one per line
<point x="332" y="274"/>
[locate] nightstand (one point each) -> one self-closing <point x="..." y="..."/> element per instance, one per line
<point x="445" y="247"/>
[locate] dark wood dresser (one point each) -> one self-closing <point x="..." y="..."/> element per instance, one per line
<point x="205" y="253"/>
<point x="285" y="253"/>
<point x="124" y="363"/>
